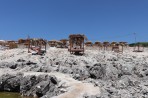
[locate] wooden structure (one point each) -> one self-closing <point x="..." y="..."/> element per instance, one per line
<point x="76" y="43"/>
<point x="88" y="44"/>
<point x="64" y="43"/>
<point x="124" y="44"/>
<point x="36" y="45"/>
<point x="138" y="48"/>
<point x="23" y="42"/>
<point x="118" y="46"/>
<point x="106" y="45"/>
<point x="52" y="43"/>
<point x="11" y="44"/>
<point x="115" y="47"/>
<point x="98" y="44"/>
<point x="59" y="44"/>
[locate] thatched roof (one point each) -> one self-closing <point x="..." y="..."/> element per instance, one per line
<point x="97" y="42"/>
<point x="76" y="35"/>
<point x="64" y="40"/>
<point x="88" y="42"/>
<point x="123" y="42"/>
<point x="114" y="42"/>
<point x="105" y="42"/>
<point x="53" y="41"/>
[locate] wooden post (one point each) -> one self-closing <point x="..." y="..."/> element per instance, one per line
<point x="83" y="45"/>
<point x="28" y="44"/>
<point x="122" y="48"/>
<point x="45" y="46"/>
<point x="138" y="47"/>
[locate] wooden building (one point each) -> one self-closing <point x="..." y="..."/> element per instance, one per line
<point x="76" y="43"/>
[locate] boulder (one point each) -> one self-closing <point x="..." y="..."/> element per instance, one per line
<point x="97" y="71"/>
<point x="10" y="83"/>
<point x="39" y="85"/>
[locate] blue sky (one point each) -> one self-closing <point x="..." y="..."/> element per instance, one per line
<point x="99" y="20"/>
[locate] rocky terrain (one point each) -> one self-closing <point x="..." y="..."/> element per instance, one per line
<point x="58" y="74"/>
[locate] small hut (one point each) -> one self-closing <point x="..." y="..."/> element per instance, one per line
<point x="115" y="46"/>
<point x="37" y="45"/>
<point x="64" y="43"/>
<point x="11" y="44"/>
<point x="59" y="44"/>
<point x="52" y="43"/>
<point x="98" y="44"/>
<point x="106" y="45"/>
<point x="124" y="44"/>
<point x="23" y="43"/>
<point x="113" y="43"/>
<point x="76" y="42"/>
<point x="138" y="48"/>
<point x="88" y="44"/>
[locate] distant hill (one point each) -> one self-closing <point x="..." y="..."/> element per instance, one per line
<point x="144" y="44"/>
